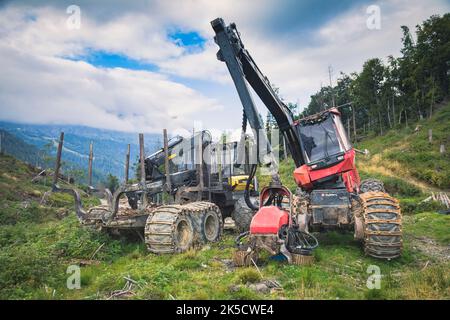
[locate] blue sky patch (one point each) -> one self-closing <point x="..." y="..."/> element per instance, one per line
<point x="189" y="40"/>
<point x="114" y="60"/>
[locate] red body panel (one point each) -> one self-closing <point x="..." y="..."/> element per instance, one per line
<point x="304" y="176"/>
<point x="268" y="220"/>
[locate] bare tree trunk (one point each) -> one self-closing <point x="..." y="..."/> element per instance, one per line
<point x="393" y="109"/>
<point x="168" y="184"/>
<point x="354" y="123"/>
<point x="432" y="99"/>
<point x="420" y="111"/>
<point x="348" y="127"/>
<point x="91" y="158"/>
<point x="389" y="115"/>
<point x="58" y="159"/>
<point x="406" y="118"/>
<point x="142" y="158"/>
<point x="127" y="164"/>
<point x="381" y="124"/>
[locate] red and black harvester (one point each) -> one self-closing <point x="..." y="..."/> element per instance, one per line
<point x="330" y="194"/>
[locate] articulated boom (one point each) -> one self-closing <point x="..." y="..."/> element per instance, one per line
<point x="330" y="196"/>
<point x="311" y="171"/>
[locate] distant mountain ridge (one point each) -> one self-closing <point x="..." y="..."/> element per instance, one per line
<point x="109" y="146"/>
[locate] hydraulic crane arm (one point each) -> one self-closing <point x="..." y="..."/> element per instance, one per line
<point x="243" y="69"/>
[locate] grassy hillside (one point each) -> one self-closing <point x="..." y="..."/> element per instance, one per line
<point x="40" y="241"/>
<point x="407" y="153"/>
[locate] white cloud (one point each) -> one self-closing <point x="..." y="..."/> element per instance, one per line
<point x="49" y="89"/>
<point x="37" y="85"/>
<point x="344" y="42"/>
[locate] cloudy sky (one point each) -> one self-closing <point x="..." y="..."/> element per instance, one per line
<point x="145" y="65"/>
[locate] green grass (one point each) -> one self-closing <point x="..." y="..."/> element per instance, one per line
<point x="408" y="153"/>
<point x="39" y="241"/>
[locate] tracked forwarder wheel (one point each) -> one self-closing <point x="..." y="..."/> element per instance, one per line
<point x="368" y="185"/>
<point x="207" y="220"/>
<point x="177" y="228"/>
<point x="382" y="224"/>
<point x="169" y="230"/>
<point x="242" y="215"/>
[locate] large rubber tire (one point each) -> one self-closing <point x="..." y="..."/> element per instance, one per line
<point x="242" y="215"/>
<point x="369" y="185"/>
<point x="382" y="223"/>
<point x="177" y="228"/>
<point x="169" y="230"/>
<point x="207" y="220"/>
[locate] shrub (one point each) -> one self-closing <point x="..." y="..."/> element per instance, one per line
<point x="248" y="275"/>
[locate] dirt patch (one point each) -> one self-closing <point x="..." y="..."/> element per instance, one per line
<point x="430" y="248"/>
<point x="263" y="287"/>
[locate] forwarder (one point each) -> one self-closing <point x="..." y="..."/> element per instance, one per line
<point x="182" y="198"/>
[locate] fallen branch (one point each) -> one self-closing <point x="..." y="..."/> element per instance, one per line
<point x="84" y="262"/>
<point x="38" y="176"/>
<point x="98" y="249"/>
<point x="426" y="265"/>
<point x="262" y="277"/>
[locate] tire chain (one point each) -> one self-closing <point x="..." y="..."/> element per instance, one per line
<point x="160" y="228"/>
<point x="382" y="225"/>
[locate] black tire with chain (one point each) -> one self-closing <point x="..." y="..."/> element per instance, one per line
<point x="242" y="215"/>
<point x="177" y="228"/>
<point x="207" y="221"/>
<point x="382" y="223"/>
<point x="368" y="185"/>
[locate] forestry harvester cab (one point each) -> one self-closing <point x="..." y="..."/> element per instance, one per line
<point x="330" y="194"/>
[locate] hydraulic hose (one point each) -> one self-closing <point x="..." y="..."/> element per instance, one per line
<point x="247" y="187"/>
<point x="301" y="242"/>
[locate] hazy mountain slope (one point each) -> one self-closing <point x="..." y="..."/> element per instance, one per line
<point x="109" y="146"/>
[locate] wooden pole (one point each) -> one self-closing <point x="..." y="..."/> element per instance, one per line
<point x="91" y="157"/>
<point x="142" y="157"/>
<point x="200" y="166"/>
<point x="142" y="162"/>
<point x="127" y="164"/>
<point x="430" y="135"/>
<point x="58" y="159"/>
<point x="219" y="162"/>
<point x="166" y="161"/>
